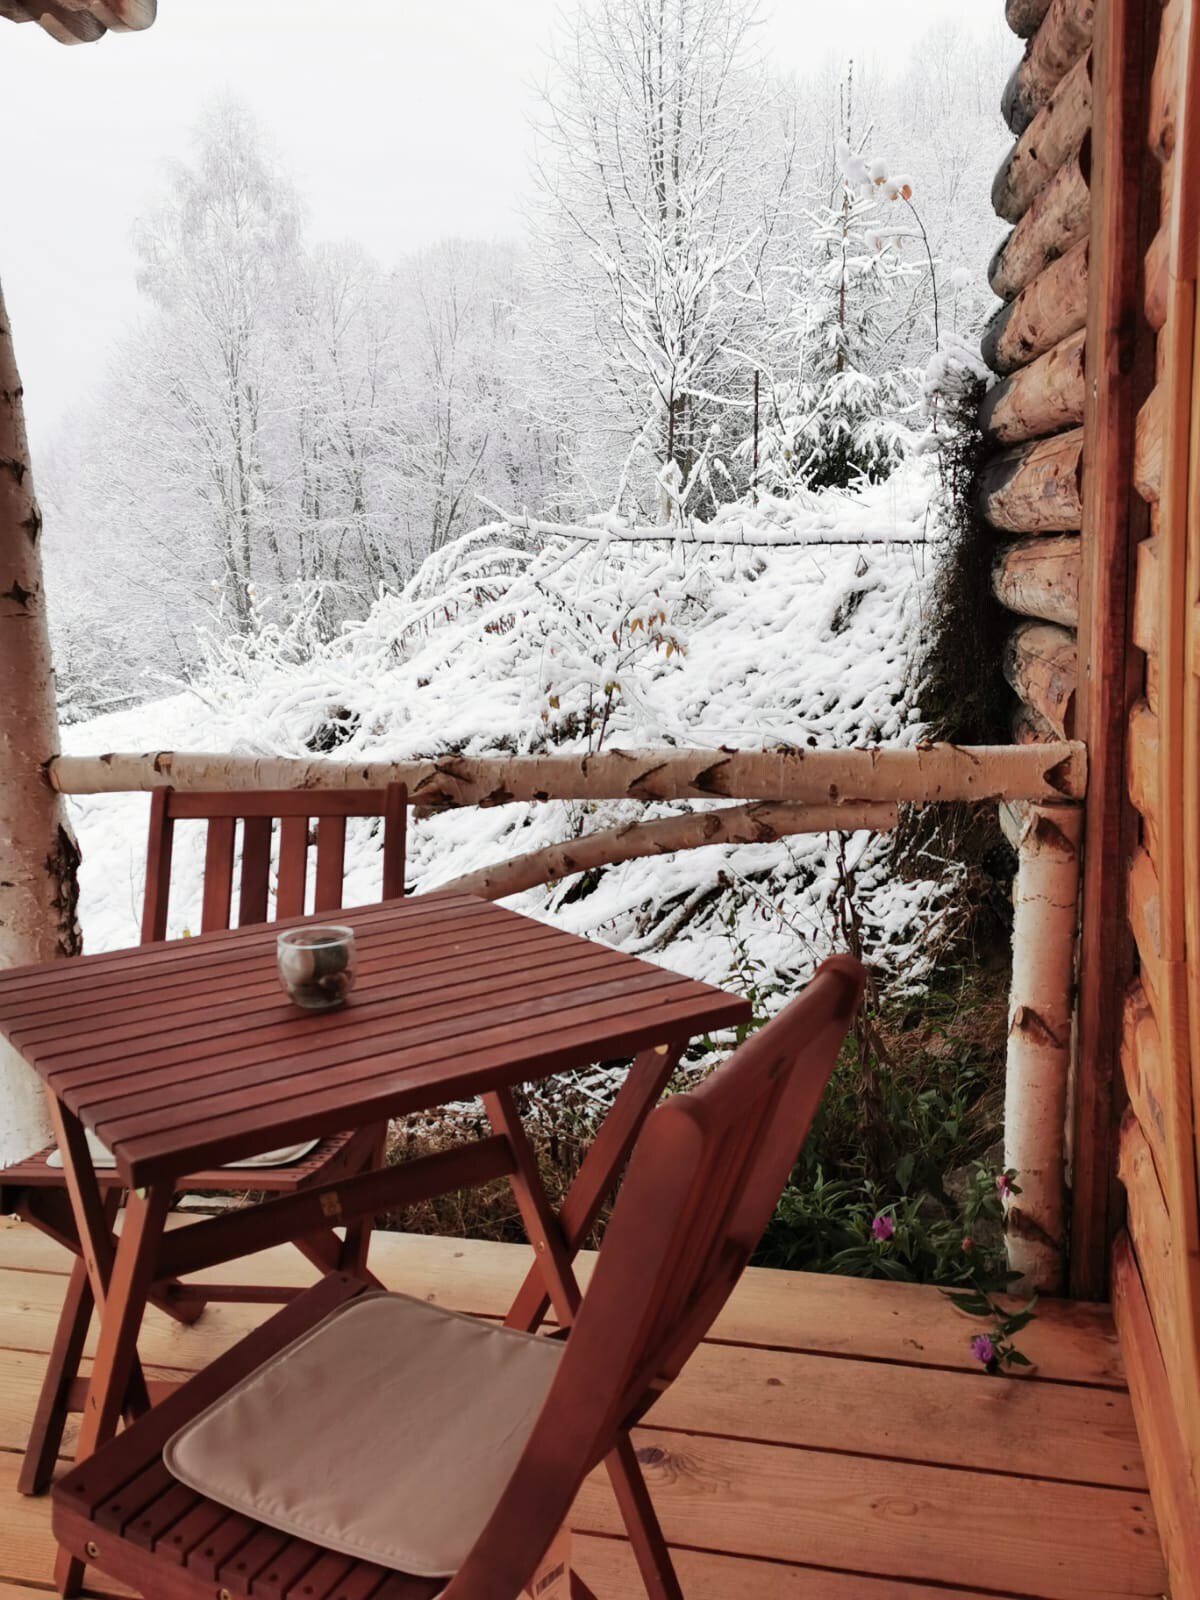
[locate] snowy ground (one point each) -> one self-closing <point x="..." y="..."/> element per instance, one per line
<point x="497" y="646"/>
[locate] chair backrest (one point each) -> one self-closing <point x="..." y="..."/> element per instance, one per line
<point x="704" y="1180"/>
<point x="257" y="811"/>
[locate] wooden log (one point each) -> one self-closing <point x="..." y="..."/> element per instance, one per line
<point x="1141" y="1068"/>
<point x="1040" y="663"/>
<point x="1157" y="259"/>
<point x="1148" y="443"/>
<point x="1030" y="727"/>
<point x="753" y="824"/>
<point x="812" y="777"/>
<point x="1150" y="1232"/>
<point x="1048" y="143"/>
<point x="1153" y="673"/>
<point x="1064" y="34"/>
<point x="1156" y="1410"/>
<point x="1058" y="218"/>
<point x="1046" y="312"/>
<point x="1042" y="398"/>
<point x="1040" y="578"/>
<point x="1116" y="379"/>
<point x="1038" y="1057"/>
<point x="1143" y="756"/>
<point x="1145" y="919"/>
<point x="1024" y="17"/>
<point x="1035" y="487"/>
<point x="1146" y="597"/>
<point x="1165" y="82"/>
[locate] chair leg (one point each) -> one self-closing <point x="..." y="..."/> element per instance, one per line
<point x="353" y="1256"/>
<point x="641" y="1522"/>
<point x="50" y="1417"/>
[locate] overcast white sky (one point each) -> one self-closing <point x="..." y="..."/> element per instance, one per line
<point x="400" y="120"/>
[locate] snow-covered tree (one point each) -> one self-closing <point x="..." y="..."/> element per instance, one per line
<point x="659" y="201"/>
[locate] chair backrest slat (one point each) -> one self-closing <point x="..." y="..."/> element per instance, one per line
<point x="256" y="870"/>
<point x="331" y="864"/>
<point x="395" y="840"/>
<point x="217" y="907"/>
<point x="250" y="816"/>
<point x="293" y="866"/>
<point x="703" y="1182"/>
<point x="158" y="868"/>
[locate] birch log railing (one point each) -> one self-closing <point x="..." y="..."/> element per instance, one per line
<point x="889" y="775"/>
<point x="784" y="791"/>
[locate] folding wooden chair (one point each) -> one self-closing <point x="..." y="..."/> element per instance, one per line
<point x="367" y="1446"/>
<point x="36" y="1188"/>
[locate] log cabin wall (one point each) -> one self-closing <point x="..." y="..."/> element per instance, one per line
<point x="1093" y="492"/>
<point x="1156" y="1257"/>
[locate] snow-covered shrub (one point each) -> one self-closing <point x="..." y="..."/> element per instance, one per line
<point x="506" y="642"/>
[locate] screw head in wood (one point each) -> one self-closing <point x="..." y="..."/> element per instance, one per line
<point x="224" y="1594"/>
<point x="91" y="1549"/>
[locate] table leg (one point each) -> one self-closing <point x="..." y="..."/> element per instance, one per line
<point x="120" y="1284"/>
<point x="552" y="1256"/>
<point x="648" y="1076"/>
<point x="62" y="1368"/>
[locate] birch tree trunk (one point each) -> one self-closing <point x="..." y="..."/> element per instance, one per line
<point x="1041" y="1008"/>
<point x="38" y="854"/>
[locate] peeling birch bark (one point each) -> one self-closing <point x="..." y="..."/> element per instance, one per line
<point x="911" y="775"/>
<point x="38" y="854"/>
<point x="1041" y="1008"/>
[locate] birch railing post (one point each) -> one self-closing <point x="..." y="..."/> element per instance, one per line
<point x="38" y="855"/>
<point x="1041" y="1008"/>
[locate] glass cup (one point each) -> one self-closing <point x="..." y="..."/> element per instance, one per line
<point x="316" y="966"/>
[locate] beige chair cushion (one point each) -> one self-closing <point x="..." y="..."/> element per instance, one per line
<point x="102" y="1156"/>
<point x="387" y="1432"/>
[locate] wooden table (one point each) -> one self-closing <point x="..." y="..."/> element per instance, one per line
<point x="186" y="1055"/>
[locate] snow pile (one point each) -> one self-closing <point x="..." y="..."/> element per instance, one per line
<point x="509" y="642"/>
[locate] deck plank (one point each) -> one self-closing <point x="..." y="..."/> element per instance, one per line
<point x="1070" y="1341"/>
<point x="933" y="1524"/>
<point x="784" y="1397"/>
<point x="825" y="1449"/>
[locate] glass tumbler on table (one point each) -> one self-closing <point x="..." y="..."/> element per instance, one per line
<point x="316" y="966"/>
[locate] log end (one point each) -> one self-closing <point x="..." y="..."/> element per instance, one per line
<point x="989" y="345"/>
<point x="1004" y="202"/>
<point x="995" y="271"/>
<point x="1016" y="105"/>
<point x="990" y="404"/>
<point x="1024" y="17"/>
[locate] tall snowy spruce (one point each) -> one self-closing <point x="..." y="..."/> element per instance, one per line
<point x="839" y="404"/>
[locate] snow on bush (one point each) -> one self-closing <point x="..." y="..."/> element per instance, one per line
<point x="509" y="641"/>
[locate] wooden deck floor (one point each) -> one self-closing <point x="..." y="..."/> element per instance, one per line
<point x="829" y="1443"/>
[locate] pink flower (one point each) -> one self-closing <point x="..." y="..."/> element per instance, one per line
<point x="883" y="1228"/>
<point x="968" y="1245"/>
<point x="1004" y="1186"/>
<point x="983" y="1349"/>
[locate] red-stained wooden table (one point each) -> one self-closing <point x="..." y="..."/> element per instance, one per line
<point x="185" y="1055"/>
